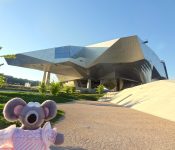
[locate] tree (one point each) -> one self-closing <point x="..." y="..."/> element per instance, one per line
<point x="42" y="88"/>
<point x="55" y="88"/>
<point x="2" y="78"/>
<point x="2" y="81"/>
<point x="7" y="56"/>
<point x="100" y="89"/>
<point x="72" y="89"/>
<point x="69" y="89"/>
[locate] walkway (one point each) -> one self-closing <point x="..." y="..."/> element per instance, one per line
<point x="98" y="127"/>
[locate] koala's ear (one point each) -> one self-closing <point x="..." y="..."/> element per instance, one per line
<point x="50" y="109"/>
<point x="13" y="108"/>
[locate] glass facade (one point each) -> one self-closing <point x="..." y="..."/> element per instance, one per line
<point x="67" y="51"/>
<point x="62" y="52"/>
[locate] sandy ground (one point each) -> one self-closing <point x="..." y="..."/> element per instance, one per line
<point x="107" y="127"/>
<point x="156" y="98"/>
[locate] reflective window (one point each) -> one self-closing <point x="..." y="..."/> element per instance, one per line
<point x="67" y="51"/>
<point x="62" y="52"/>
<point x="74" y="51"/>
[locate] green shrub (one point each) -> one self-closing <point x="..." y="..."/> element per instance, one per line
<point x="2" y="81"/>
<point x="69" y="89"/>
<point x="37" y="97"/>
<point x="100" y="89"/>
<point x="42" y="88"/>
<point x="72" y="89"/>
<point x="55" y="88"/>
<point x="60" y="87"/>
<point x="66" y="89"/>
<point x="91" y="97"/>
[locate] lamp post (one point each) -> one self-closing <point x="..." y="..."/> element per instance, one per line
<point x="145" y="42"/>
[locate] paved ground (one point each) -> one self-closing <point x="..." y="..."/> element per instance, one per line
<point x="96" y="127"/>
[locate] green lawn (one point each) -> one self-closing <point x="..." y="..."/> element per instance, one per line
<point x="28" y="96"/>
<point x="61" y="98"/>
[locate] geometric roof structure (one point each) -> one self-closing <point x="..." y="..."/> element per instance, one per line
<point x="127" y="58"/>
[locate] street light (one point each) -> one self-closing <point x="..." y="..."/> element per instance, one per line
<point x="144" y="42"/>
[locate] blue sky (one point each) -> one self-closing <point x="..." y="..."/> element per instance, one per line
<point x="40" y="24"/>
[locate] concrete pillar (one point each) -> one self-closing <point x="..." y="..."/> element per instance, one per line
<point x="47" y="81"/>
<point x="89" y="84"/>
<point x="121" y="84"/>
<point x="76" y="84"/>
<point x="44" y="77"/>
<point x="118" y="85"/>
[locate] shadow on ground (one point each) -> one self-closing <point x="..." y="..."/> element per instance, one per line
<point x="66" y="148"/>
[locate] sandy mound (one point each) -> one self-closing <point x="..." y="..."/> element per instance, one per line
<point x="156" y="98"/>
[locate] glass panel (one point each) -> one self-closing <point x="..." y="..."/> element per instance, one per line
<point x="62" y="52"/>
<point x="74" y="51"/>
<point x="67" y="51"/>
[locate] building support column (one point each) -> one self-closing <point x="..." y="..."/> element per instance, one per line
<point x="121" y="84"/>
<point x="76" y="85"/>
<point x="89" y="84"/>
<point x="118" y="85"/>
<point x="47" y="81"/>
<point x="44" y="77"/>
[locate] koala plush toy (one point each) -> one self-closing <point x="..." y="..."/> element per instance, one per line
<point x="30" y="136"/>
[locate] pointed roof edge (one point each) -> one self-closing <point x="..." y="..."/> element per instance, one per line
<point x="108" y="43"/>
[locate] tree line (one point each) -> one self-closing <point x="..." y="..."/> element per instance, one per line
<point x="19" y="81"/>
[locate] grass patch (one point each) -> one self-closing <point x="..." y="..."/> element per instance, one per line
<point x="4" y="123"/>
<point x="36" y="97"/>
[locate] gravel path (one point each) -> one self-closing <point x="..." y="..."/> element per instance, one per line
<point x="103" y="127"/>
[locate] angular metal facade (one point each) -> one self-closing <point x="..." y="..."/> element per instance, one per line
<point x="126" y="59"/>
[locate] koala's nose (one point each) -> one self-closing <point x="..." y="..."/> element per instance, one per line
<point x="32" y="118"/>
